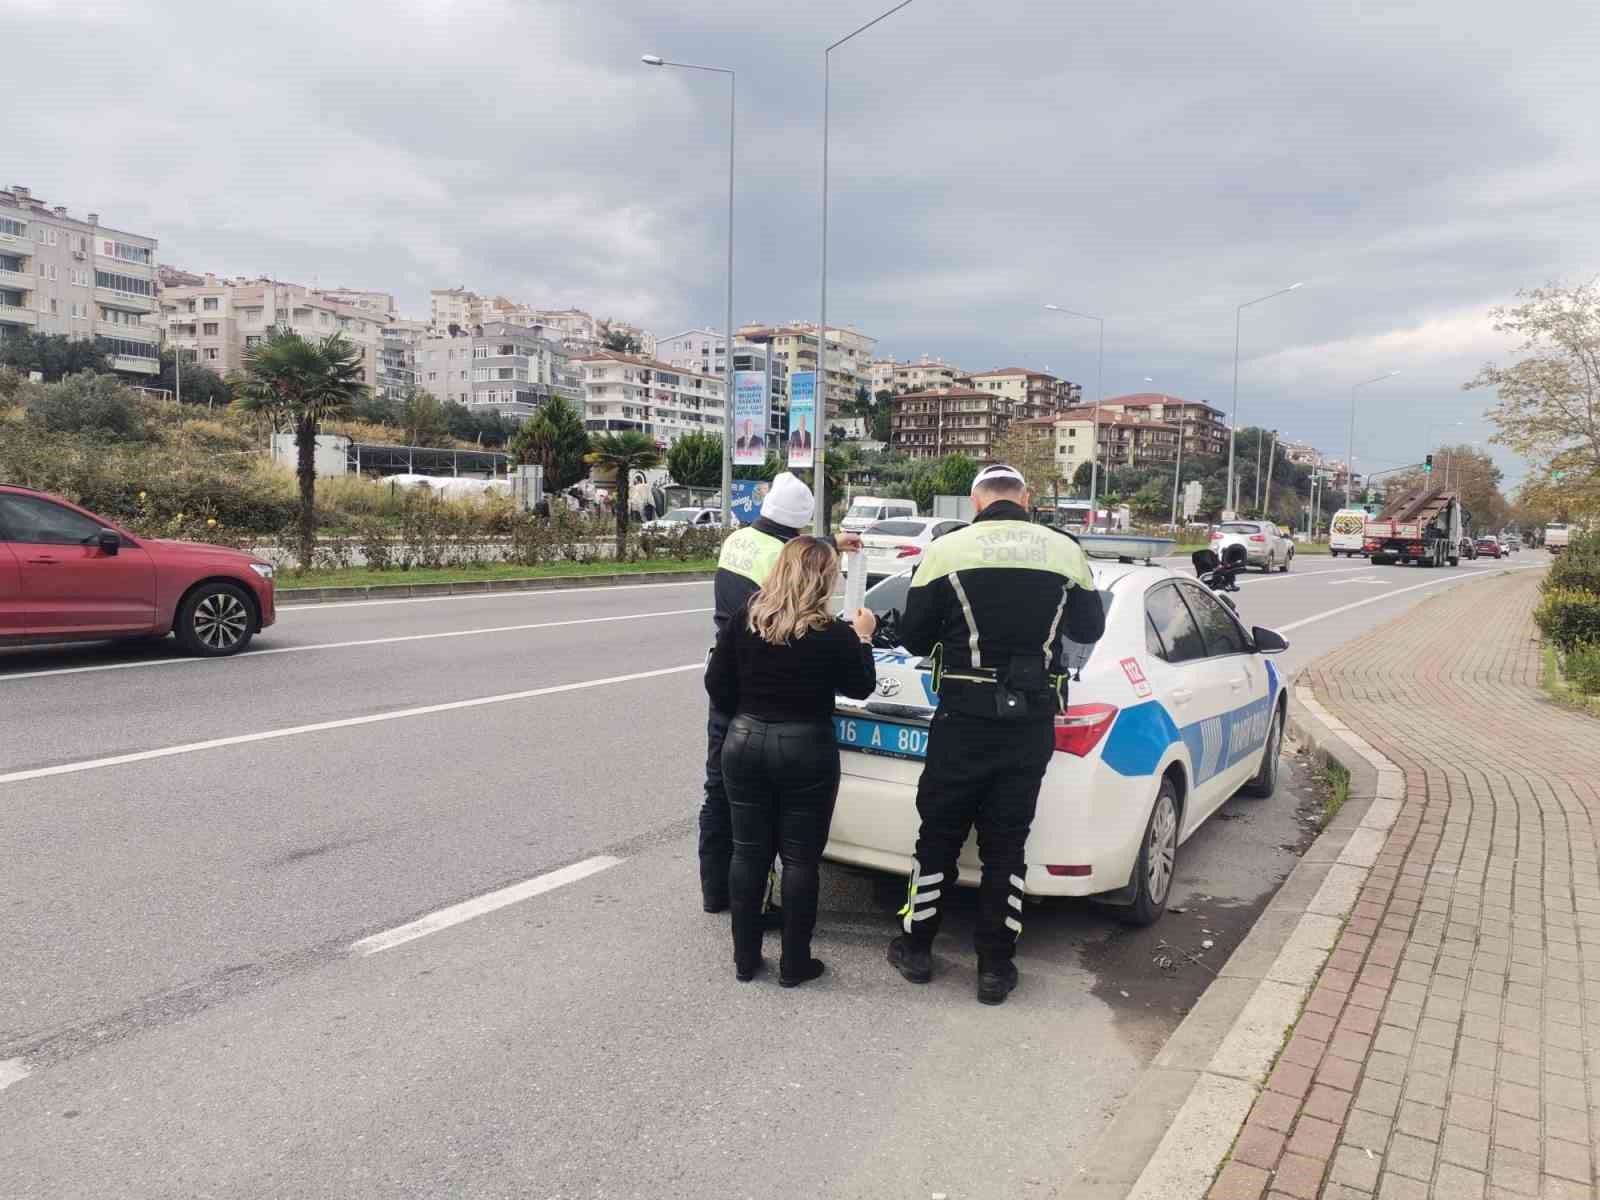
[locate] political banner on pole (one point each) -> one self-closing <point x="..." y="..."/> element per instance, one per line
<point x="749" y="418"/>
<point x="802" y="418"/>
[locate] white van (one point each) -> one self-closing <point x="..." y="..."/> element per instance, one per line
<point x="869" y="510"/>
<point x="1347" y="531"/>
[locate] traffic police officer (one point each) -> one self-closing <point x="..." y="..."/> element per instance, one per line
<point x="747" y="558"/>
<point x="990" y="603"/>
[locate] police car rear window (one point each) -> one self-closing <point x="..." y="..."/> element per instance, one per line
<point x="1240" y="527"/>
<point x="897" y="528"/>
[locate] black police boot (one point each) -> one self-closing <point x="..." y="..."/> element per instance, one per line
<point x="914" y="962"/>
<point x="995" y="981"/>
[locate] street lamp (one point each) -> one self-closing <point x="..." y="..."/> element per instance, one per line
<point x="1233" y="426"/>
<point x="1100" y="395"/>
<point x="1350" y="459"/>
<point x="819" y="522"/>
<point x="655" y="60"/>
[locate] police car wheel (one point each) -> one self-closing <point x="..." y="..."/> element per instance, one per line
<point x="1266" y="779"/>
<point x="1158" y="859"/>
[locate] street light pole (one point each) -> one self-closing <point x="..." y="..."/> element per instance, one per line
<point x="1350" y="458"/>
<point x="655" y="60"/>
<point x="819" y="487"/>
<point x="1271" y="454"/>
<point x="1100" y="395"/>
<point x="1233" y="422"/>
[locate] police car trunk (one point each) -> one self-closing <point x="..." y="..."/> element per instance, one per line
<point x="883" y="744"/>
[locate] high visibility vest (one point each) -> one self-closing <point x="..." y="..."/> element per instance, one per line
<point x="750" y="553"/>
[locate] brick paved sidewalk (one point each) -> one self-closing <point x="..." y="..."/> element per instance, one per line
<point x="1451" y="1047"/>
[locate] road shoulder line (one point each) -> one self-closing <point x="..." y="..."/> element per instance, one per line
<point x="1179" y="1123"/>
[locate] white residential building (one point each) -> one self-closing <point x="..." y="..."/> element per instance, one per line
<point x="626" y="391"/>
<point x="795" y="345"/>
<point x="60" y="274"/>
<point x="703" y="350"/>
<point x="215" y="322"/>
<point x="508" y="369"/>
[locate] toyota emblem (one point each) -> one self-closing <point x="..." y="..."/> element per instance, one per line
<point x="888" y="687"/>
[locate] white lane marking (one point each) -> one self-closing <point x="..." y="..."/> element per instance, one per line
<point x="12" y="1070"/>
<point x="1363" y="579"/>
<point x="479" y="905"/>
<point x="386" y="641"/>
<point x="399" y="714"/>
<point x="511" y="595"/>
<point x="1344" y="608"/>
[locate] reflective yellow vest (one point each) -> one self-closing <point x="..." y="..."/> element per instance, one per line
<point x="750" y="553"/>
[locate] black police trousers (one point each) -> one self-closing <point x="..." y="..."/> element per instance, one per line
<point x="981" y="772"/>
<point x="716" y="825"/>
<point x="782" y="779"/>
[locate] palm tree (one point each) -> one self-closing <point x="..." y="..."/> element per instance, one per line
<point x="302" y="383"/>
<point x="624" y="453"/>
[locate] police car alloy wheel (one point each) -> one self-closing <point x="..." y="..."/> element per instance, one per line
<point x="1158" y="859"/>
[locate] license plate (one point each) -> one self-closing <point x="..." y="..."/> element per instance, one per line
<point x="881" y="737"/>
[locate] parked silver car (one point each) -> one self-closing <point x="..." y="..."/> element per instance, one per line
<point x="1264" y="544"/>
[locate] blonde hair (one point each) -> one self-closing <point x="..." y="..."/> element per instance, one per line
<point x="795" y="597"/>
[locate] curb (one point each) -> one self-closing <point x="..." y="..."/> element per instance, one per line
<point x="1178" y="1126"/>
<point x="544" y="583"/>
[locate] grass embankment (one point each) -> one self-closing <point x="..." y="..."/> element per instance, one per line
<point x="289" y="581"/>
<point x="1336" y="779"/>
<point x="1558" y="689"/>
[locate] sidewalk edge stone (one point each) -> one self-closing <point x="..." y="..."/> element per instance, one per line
<point x="1155" y="1149"/>
<point x="294" y="597"/>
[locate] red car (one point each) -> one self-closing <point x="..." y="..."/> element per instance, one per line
<point x="68" y="575"/>
<point x="1491" y="546"/>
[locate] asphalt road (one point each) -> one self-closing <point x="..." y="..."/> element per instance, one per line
<point x="204" y="858"/>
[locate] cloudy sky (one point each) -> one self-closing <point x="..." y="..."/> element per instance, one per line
<point x="1151" y="161"/>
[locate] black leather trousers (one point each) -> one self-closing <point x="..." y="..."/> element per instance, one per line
<point x="782" y="778"/>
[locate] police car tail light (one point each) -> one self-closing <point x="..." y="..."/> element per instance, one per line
<point x="1079" y="731"/>
<point x="1216" y="535"/>
<point x="1258" y="537"/>
<point x="909" y="551"/>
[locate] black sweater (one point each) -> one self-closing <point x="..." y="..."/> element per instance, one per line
<point x="797" y="682"/>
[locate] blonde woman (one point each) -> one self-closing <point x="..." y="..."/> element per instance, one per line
<point x="778" y="664"/>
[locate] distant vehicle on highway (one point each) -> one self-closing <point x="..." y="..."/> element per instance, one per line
<point x="1490" y="545"/>
<point x="866" y="511"/>
<point x="1346" y="532"/>
<point x="1557" y="534"/>
<point x="895" y="546"/>
<point x="1513" y="543"/>
<point x="678" y="520"/>
<point x="1173" y="711"/>
<point x="69" y="575"/>
<point x="1264" y="543"/>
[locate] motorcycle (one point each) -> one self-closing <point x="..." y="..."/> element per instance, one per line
<point x="1220" y="574"/>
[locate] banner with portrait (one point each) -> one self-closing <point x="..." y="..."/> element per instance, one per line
<point x="749" y="418"/>
<point x="802" y="418"/>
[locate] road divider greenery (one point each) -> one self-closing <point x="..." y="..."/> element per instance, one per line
<point x="354" y="577"/>
<point x="1568" y="616"/>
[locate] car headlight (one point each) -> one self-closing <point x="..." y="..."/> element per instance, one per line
<point x="265" y="570"/>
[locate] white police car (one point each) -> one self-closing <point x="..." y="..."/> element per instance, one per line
<point x="1174" y="710"/>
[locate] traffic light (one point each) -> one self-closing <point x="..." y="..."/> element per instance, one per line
<point x="1427" y="465"/>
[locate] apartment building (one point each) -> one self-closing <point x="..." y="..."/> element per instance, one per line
<point x="627" y="391"/>
<point x="60" y="274"/>
<point x="704" y="350"/>
<point x="948" y="421"/>
<point x="453" y="307"/>
<point x="880" y="376"/>
<point x="380" y="305"/>
<point x="795" y="345"/>
<point x="1204" y="431"/>
<point x="397" y="356"/>
<point x="928" y="375"/>
<point x="215" y="321"/>
<point x="1030" y="393"/>
<point x="508" y="369"/>
<point x="1125" y="440"/>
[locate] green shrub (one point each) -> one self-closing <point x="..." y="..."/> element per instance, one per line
<point x="95" y="405"/>
<point x="1578" y="566"/>
<point x="1583" y="668"/>
<point x="1569" y="617"/>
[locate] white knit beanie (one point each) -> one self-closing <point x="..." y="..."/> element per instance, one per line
<point x="789" y="502"/>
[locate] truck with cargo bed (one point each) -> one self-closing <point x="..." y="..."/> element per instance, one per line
<point x="1426" y="528"/>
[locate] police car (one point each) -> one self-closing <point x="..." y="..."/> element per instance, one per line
<point x="1174" y="710"/>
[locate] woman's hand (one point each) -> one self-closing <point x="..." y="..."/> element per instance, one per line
<point x="865" y="623"/>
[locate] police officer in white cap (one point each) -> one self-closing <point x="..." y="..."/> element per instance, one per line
<point x="747" y="558"/>
<point x="990" y="603"/>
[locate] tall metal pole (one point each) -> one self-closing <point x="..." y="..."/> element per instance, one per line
<point x="1258" y="469"/>
<point x="655" y="60"/>
<point x="1177" y="477"/>
<point x="1350" y="459"/>
<point x="1100" y="395"/>
<point x="1230" y="494"/>
<point x="819" y="483"/>
<point x="1273" y="453"/>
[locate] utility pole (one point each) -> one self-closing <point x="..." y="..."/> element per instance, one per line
<point x="1271" y="454"/>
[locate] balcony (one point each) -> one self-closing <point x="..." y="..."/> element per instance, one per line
<point x="138" y="366"/>
<point x="16" y="279"/>
<point x="12" y="315"/>
<point x="122" y="329"/>
<point x="128" y="300"/>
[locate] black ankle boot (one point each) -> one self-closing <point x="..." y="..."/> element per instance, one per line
<point x="745" y="972"/>
<point x="995" y="982"/>
<point x="805" y="973"/>
<point x="911" y="960"/>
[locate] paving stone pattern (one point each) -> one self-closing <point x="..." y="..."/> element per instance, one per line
<point x="1451" y="1047"/>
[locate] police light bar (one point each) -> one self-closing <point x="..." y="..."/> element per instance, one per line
<point x="1124" y="547"/>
